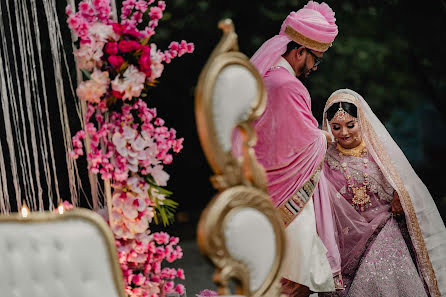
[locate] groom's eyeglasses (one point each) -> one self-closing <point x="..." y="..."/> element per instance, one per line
<point x="317" y="60"/>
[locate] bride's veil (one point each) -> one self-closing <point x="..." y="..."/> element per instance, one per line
<point x="427" y="229"/>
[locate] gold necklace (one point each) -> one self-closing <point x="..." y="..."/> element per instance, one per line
<point x="361" y="200"/>
<point x="356" y="151"/>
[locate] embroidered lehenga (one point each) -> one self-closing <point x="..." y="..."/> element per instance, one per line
<point x="382" y="255"/>
<point x="376" y="260"/>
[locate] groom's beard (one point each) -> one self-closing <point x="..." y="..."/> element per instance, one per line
<point x="304" y="78"/>
<point x="304" y="74"/>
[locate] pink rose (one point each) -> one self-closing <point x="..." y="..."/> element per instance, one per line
<point x="133" y="32"/>
<point x="111" y="48"/>
<point x="128" y="46"/>
<point x="118" y="28"/>
<point x="117" y="94"/>
<point x="116" y="61"/>
<point x="146" y="49"/>
<point x="145" y="63"/>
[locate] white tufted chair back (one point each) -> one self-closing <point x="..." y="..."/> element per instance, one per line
<point x="240" y="230"/>
<point x="241" y="233"/>
<point x="234" y="95"/>
<point x="52" y="255"/>
<point x="250" y="238"/>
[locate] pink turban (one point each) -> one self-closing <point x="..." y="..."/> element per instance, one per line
<point x="313" y="26"/>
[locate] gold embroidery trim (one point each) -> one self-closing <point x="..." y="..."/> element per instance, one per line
<point x="341" y="97"/>
<point x="305" y="41"/>
<point x="308" y="187"/>
<point x="411" y="218"/>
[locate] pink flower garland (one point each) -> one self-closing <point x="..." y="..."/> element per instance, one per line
<point x="129" y="144"/>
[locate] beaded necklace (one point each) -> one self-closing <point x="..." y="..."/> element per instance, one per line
<point x="361" y="200"/>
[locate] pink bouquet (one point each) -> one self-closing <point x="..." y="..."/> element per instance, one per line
<point x="129" y="143"/>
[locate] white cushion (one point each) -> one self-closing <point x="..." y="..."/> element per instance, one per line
<point x="234" y="94"/>
<point x="250" y="239"/>
<point x="54" y="259"/>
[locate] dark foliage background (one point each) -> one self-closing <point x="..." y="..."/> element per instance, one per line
<point x="390" y="51"/>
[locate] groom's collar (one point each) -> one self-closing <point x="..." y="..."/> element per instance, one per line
<point x="284" y="63"/>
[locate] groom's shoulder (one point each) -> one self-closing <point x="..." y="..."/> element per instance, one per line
<point x="283" y="80"/>
<point x="279" y="75"/>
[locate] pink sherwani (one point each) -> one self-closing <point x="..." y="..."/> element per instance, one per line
<point x="290" y="147"/>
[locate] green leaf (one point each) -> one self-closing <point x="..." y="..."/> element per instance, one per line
<point x="165" y="215"/>
<point x="86" y="73"/>
<point x="170" y="203"/>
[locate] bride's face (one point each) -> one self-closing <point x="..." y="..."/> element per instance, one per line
<point x="346" y="132"/>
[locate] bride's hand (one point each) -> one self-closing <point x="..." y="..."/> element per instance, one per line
<point x="397" y="209"/>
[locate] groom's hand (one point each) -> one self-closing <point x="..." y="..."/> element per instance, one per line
<point x="328" y="136"/>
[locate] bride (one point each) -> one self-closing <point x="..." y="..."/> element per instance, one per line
<point x="391" y="237"/>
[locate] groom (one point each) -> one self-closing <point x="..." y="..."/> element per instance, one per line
<point x="291" y="148"/>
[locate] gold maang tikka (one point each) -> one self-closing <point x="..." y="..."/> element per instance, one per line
<point x="341" y="114"/>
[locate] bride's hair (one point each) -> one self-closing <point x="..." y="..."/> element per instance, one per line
<point x="350" y="108"/>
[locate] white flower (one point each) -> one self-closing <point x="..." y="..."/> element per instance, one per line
<point x="157" y="66"/>
<point x="89" y="55"/>
<point x="93" y="89"/>
<point x="131" y="84"/>
<point x="125" y="205"/>
<point x="102" y="32"/>
<point x="138" y="186"/>
<point x="161" y="177"/>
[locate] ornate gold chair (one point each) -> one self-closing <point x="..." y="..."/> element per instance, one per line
<point x="48" y="254"/>
<point x="239" y="230"/>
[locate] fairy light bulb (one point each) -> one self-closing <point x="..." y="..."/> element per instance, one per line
<point x="60" y="208"/>
<point x="25" y="210"/>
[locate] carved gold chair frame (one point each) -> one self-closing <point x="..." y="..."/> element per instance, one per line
<point x="241" y="182"/>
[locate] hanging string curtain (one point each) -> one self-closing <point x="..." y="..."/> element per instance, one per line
<point x="38" y="106"/>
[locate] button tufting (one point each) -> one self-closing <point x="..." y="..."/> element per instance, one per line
<point x="35" y="245"/>
<point x="35" y="276"/>
<point x="85" y="277"/>
<point x="58" y="244"/>
<point x="56" y="273"/>
<point x="9" y="245"/>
